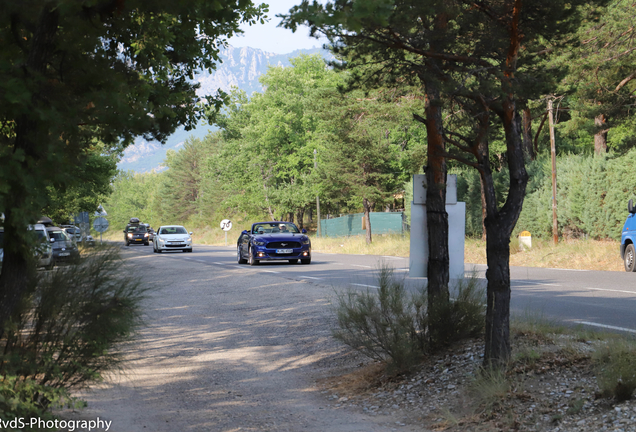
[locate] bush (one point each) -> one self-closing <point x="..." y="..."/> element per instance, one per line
<point x="63" y="334"/>
<point x="392" y="325"/>
<point x="616" y="364"/>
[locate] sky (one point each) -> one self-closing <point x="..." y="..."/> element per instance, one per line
<point x="269" y="38"/>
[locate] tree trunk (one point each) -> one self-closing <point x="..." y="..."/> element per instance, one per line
<point x="600" y="138"/>
<point x="311" y="214"/>
<point x="22" y="203"/>
<point x="527" y="134"/>
<point x="483" y="209"/>
<point x="436" y="216"/>
<point x="367" y="219"/>
<point x="300" y="213"/>
<point x="499" y="226"/>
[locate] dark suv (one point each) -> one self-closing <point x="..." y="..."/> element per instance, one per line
<point x="136" y="234"/>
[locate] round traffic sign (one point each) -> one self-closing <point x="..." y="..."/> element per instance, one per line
<point x="100" y="224"/>
<point x="226" y="224"/>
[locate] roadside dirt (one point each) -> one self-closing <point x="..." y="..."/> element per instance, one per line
<point x="222" y="350"/>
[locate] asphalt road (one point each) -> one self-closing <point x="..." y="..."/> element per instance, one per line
<point x="594" y="298"/>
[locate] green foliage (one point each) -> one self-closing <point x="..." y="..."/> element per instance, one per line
<point x="63" y="334"/>
<point x="391" y="325"/>
<point x="616" y="369"/>
<point x="592" y="195"/>
<point x="134" y="195"/>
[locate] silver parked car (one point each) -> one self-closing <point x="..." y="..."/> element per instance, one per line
<point x="172" y="237"/>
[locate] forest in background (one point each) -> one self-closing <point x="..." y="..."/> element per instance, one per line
<point x="261" y="163"/>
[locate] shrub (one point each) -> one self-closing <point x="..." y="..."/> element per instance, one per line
<point x="392" y="325"/>
<point x="64" y="332"/>
<point x="616" y="364"/>
<point x="489" y="388"/>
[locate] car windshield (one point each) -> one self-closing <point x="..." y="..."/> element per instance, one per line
<point x="173" y="230"/>
<point x="140" y="229"/>
<point x="59" y="235"/>
<point x="41" y="235"/>
<point x="274" y="227"/>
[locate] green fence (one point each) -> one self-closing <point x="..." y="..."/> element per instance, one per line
<point x="351" y="225"/>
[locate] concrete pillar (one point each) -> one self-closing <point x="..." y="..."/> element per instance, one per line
<point x="418" y="258"/>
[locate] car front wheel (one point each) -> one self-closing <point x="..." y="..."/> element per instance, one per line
<point x="630" y="258"/>
<point x="250" y="258"/>
<point x="239" y="258"/>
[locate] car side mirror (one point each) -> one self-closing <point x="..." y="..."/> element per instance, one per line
<point x="630" y="207"/>
<point x="244" y="232"/>
<point x="304" y="231"/>
<point x="190" y="233"/>
<point x="52" y="240"/>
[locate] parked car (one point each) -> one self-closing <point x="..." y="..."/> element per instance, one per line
<point x="136" y="234"/>
<point x="73" y="232"/>
<point x="172" y="237"/>
<point x="1" y="245"/>
<point x="628" y="238"/>
<point x="44" y="247"/>
<point x="273" y="241"/>
<point x="64" y="248"/>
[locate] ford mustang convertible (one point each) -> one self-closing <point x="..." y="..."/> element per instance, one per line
<point x="269" y="241"/>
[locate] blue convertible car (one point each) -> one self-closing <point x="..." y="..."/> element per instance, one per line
<point x="268" y="241"/>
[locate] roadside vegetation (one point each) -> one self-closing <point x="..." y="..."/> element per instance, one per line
<point x="558" y="376"/>
<point x="64" y="334"/>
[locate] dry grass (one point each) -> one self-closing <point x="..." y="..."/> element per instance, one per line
<point x="570" y="254"/>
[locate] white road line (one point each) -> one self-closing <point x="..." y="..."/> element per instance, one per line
<point x="368" y="286"/>
<point x="604" y="289"/>
<point x="270" y="271"/>
<point x="309" y="277"/>
<point x="218" y="263"/>
<point x="392" y="257"/>
<point x="359" y="265"/>
<point x="201" y="261"/>
<point x="532" y="283"/>
<point x="611" y="327"/>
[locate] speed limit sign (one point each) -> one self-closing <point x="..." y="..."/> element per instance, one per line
<point x="226" y="224"/>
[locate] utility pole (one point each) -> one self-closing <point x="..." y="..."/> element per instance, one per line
<point x="555" y="228"/>
<point x="317" y="197"/>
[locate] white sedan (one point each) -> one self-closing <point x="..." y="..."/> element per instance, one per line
<point x="172" y="237"/>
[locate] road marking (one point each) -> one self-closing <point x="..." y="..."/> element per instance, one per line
<point x="270" y="271"/>
<point x="309" y="277"/>
<point x="368" y="286"/>
<point x="218" y="263"/>
<point x="605" y="289"/>
<point x="392" y="257"/>
<point x="359" y="265"/>
<point x="611" y="327"/>
<point x="534" y="283"/>
<point x="201" y="261"/>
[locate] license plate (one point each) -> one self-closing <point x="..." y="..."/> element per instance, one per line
<point x="65" y="253"/>
<point x="138" y="239"/>
<point x="284" y="251"/>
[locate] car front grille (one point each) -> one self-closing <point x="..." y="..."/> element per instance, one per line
<point x="283" y="245"/>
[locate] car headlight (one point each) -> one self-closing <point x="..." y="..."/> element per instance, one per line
<point x="259" y="243"/>
<point x="129" y="235"/>
<point x="146" y="235"/>
<point x="189" y="239"/>
<point x="305" y="240"/>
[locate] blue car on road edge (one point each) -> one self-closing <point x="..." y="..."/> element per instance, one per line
<point x="628" y="238"/>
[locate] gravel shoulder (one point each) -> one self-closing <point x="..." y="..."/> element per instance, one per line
<point x="223" y="350"/>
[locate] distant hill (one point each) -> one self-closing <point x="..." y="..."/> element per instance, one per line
<point x="241" y="67"/>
